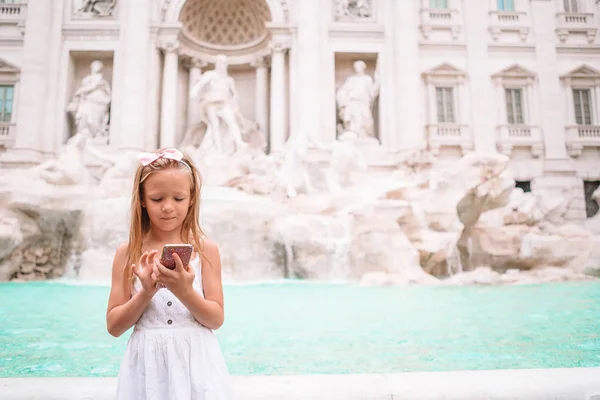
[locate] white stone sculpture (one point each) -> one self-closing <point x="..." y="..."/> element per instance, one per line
<point x="593" y="223"/>
<point x="355" y="99"/>
<point x="346" y="158"/>
<point x="217" y="97"/>
<point x="69" y="167"/>
<point x="293" y="174"/>
<point x="353" y="9"/>
<point x="115" y="170"/>
<point x="90" y="105"/>
<point x="96" y="8"/>
<point x="539" y="208"/>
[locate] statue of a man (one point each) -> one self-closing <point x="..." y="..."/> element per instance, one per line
<point x="90" y="105"/>
<point x="355" y="101"/>
<point x="216" y="93"/>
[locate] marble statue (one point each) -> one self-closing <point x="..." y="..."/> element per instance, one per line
<point x="293" y="174"/>
<point x="69" y="167"/>
<point x="217" y="96"/>
<point x="100" y="8"/>
<point x="355" y="99"/>
<point x="90" y="105"/>
<point x="346" y="158"/>
<point x="115" y="172"/>
<point x="492" y="191"/>
<point x="353" y="9"/>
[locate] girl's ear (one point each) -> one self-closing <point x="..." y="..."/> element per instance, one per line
<point x="143" y="203"/>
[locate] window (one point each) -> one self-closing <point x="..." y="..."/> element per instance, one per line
<point x="445" y="104"/>
<point x="591" y="207"/>
<point x="571" y="6"/>
<point x="581" y="101"/>
<point x="6" y="103"/>
<point x="438" y="3"/>
<point x="506" y="5"/>
<point x="514" y="106"/>
<point x="525" y="185"/>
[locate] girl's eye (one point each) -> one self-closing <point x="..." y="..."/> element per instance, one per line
<point x="156" y="200"/>
<point x="180" y="199"/>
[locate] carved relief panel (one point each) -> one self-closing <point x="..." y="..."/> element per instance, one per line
<point x="91" y="9"/>
<point x="353" y="10"/>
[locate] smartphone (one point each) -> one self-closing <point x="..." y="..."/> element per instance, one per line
<point x="184" y="251"/>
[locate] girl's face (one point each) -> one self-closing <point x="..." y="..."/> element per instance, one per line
<point x="167" y="198"/>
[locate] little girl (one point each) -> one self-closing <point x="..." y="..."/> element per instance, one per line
<point x="172" y="352"/>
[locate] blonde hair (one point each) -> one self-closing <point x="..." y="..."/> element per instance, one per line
<point x="140" y="221"/>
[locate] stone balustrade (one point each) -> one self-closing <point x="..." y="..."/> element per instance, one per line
<point x="7" y="134"/>
<point x="581" y="136"/>
<point x="439" y="19"/>
<point x="12" y="12"/>
<point x="509" y="21"/>
<point x="575" y="23"/>
<point x="517" y="135"/>
<point x="445" y="135"/>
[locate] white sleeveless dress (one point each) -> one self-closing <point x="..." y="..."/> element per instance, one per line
<point x="170" y="356"/>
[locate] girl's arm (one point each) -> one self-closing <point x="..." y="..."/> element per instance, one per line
<point x="124" y="310"/>
<point x="207" y="310"/>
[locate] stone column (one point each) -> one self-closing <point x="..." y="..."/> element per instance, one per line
<point x="262" y="96"/>
<point x="597" y="102"/>
<point x="386" y="61"/>
<point x="535" y="104"/>
<point x="409" y="92"/>
<point x="278" y="132"/>
<point x="476" y="17"/>
<point x="293" y="83"/>
<point x="196" y="66"/>
<point x="27" y="148"/>
<point x="311" y="28"/>
<point x="552" y="121"/>
<point x="129" y="126"/>
<point x="559" y="173"/>
<point x="169" y="95"/>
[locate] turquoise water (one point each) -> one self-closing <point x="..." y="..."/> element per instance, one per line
<point x="53" y="329"/>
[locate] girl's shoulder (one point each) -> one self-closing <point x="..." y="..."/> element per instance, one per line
<point x="121" y="252"/>
<point x="120" y="260"/>
<point x="122" y="248"/>
<point x="207" y="244"/>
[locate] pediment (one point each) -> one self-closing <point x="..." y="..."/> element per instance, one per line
<point x="514" y="71"/>
<point x="445" y="70"/>
<point x="8" y="68"/>
<point x="583" y="72"/>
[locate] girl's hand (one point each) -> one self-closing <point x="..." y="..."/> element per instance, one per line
<point x="144" y="272"/>
<point x="179" y="280"/>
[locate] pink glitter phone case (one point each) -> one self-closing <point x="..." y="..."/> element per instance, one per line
<point x="184" y="251"/>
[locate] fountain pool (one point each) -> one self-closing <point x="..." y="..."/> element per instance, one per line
<point x="57" y="328"/>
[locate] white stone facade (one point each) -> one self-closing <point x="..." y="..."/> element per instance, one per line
<point x="521" y="77"/>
